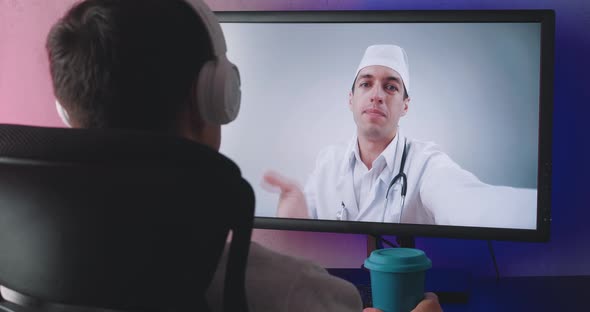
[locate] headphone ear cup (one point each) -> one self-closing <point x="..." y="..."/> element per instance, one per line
<point x="232" y="91"/>
<point x="218" y="91"/>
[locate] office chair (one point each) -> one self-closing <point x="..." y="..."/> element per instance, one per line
<point x="118" y="219"/>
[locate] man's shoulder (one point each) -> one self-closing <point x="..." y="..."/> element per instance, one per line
<point x="429" y="155"/>
<point x="305" y="285"/>
<point x="261" y="255"/>
<point x="423" y="147"/>
<point x="422" y="144"/>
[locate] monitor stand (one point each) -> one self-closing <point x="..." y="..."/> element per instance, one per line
<point x="451" y="285"/>
<point x="376" y="242"/>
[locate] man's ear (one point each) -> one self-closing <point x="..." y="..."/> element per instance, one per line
<point x="350" y="100"/>
<point x="63" y="114"/>
<point x="406" y="106"/>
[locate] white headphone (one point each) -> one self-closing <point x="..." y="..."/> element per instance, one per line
<point x="217" y="89"/>
<point x="218" y="85"/>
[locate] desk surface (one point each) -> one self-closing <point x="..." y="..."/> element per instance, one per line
<point x="543" y="293"/>
<point x="559" y="293"/>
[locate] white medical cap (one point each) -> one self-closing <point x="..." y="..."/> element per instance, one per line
<point x="387" y="55"/>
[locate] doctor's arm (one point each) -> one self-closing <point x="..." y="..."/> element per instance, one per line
<point x="292" y="202"/>
<point x="455" y="196"/>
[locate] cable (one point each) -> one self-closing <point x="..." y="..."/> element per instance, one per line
<point x="491" y="248"/>
<point x="379" y="240"/>
<point x="389" y="243"/>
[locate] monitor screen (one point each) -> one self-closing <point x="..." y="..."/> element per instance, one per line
<point x="421" y="123"/>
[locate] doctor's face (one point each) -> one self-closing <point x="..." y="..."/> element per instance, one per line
<point x="377" y="102"/>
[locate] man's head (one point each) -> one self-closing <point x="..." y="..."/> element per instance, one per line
<point x="144" y="64"/>
<point x="380" y="92"/>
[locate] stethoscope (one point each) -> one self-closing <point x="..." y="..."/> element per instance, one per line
<point x="401" y="177"/>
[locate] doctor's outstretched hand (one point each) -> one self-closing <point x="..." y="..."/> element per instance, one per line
<point x="292" y="200"/>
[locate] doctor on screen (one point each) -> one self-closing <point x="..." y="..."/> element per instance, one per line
<point x="384" y="176"/>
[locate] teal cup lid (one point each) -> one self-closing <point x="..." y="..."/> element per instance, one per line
<point x="398" y="260"/>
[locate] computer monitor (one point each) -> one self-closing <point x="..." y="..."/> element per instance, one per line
<point x="476" y="126"/>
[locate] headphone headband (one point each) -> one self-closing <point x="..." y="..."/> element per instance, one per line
<point x="212" y="24"/>
<point x="218" y="85"/>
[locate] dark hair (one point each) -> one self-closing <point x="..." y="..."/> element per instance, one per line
<point x="406" y="95"/>
<point x="127" y="63"/>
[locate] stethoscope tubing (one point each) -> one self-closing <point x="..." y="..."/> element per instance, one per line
<point x="342" y="215"/>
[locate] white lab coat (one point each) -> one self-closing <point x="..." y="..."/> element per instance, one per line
<point x="439" y="191"/>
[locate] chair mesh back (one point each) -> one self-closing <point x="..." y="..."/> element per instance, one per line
<point x="119" y="219"/>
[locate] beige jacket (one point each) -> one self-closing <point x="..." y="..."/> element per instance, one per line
<point x="274" y="283"/>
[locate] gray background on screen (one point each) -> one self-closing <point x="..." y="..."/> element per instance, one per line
<point x="474" y="91"/>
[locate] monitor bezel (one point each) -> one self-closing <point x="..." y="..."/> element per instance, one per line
<point x="545" y="17"/>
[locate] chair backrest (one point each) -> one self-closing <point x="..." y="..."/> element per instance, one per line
<point x="119" y="219"/>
